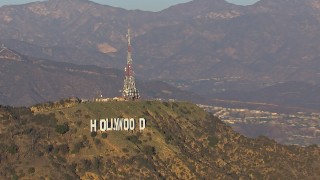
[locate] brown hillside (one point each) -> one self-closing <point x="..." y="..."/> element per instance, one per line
<point x="181" y="141"/>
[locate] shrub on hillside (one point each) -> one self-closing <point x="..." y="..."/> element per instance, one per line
<point x="134" y="139"/>
<point x="62" y="128"/>
<point x="63" y="148"/>
<point x="77" y="146"/>
<point x="97" y="141"/>
<point x="93" y="134"/>
<point x="150" y="150"/>
<point x="31" y="170"/>
<point x="104" y="135"/>
<point x="49" y="148"/>
<point x="213" y="141"/>
<point x="13" y="149"/>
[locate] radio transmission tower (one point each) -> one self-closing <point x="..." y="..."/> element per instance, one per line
<point x="130" y="91"/>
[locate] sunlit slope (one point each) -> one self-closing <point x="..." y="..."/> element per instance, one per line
<point x="180" y="141"/>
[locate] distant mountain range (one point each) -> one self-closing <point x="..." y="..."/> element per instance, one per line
<point x="264" y="44"/>
<point x="269" y="41"/>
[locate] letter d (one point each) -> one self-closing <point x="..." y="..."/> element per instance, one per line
<point x="142" y="123"/>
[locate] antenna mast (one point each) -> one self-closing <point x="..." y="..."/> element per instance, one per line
<point x="130" y="91"/>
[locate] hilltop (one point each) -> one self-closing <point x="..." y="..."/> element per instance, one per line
<point x="181" y="141"/>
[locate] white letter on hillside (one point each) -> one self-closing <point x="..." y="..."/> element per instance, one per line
<point x="120" y="121"/>
<point x="116" y="124"/>
<point x="142" y="123"/>
<point x="132" y="124"/>
<point x="93" y="125"/>
<point x="103" y="125"/>
<point x="126" y="124"/>
<point x="109" y="128"/>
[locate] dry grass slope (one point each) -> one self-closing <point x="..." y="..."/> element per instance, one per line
<point x="181" y="141"/>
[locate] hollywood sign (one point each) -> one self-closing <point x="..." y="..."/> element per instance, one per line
<point x="117" y="124"/>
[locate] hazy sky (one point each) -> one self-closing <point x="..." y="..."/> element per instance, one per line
<point x="151" y="5"/>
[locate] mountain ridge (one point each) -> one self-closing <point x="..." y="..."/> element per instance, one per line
<point x="268" y="41"/>
<point x="265" y="43"/>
